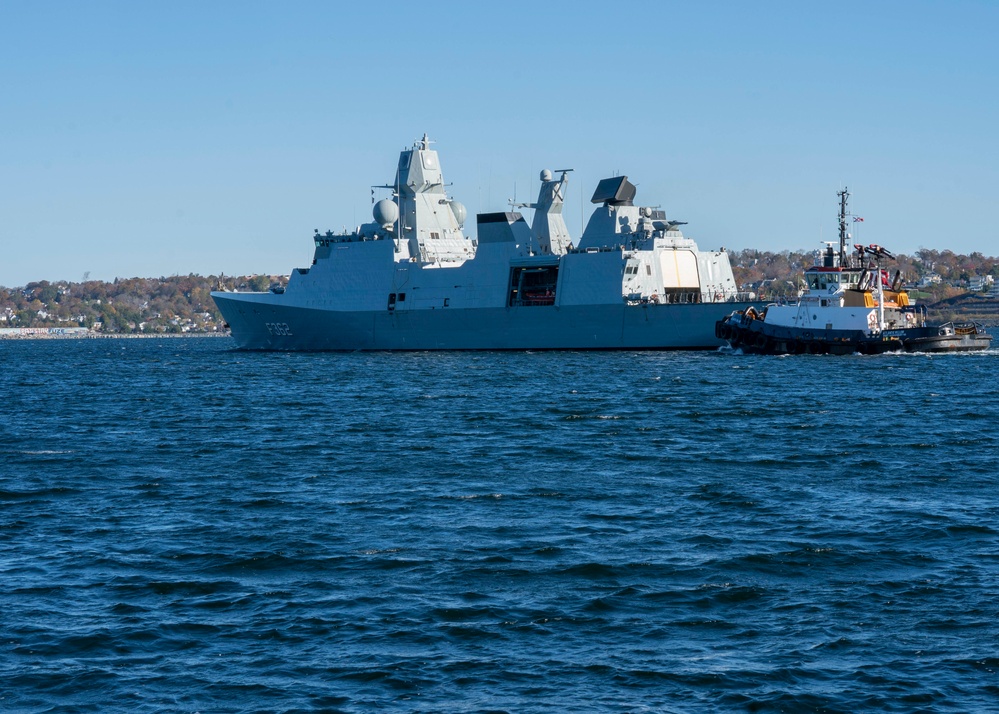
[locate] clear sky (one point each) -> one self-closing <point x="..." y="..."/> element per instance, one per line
<point x="151" y="139"/>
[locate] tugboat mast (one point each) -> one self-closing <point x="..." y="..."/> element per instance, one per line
<point x="844" y="197"/>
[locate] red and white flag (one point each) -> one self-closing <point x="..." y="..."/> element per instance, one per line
<point x="858" y="219"/>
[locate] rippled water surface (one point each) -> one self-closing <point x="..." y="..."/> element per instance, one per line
<point x="188" y="528"/>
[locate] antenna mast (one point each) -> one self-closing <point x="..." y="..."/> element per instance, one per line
<point x="844" y="197"/>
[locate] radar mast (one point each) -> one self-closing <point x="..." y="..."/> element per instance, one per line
<point x="844" y="197"/>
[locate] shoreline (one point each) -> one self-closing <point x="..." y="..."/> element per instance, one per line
<point x="59" y="333"/>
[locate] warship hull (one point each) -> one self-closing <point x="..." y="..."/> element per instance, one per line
<point x="258" y="324"/>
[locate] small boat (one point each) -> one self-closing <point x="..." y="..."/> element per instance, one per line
<point x="851" y="304"/>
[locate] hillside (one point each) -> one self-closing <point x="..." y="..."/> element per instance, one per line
<point x="966" y="307"/>
<point x="177" y="304"/>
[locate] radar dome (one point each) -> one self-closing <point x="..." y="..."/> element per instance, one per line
<point x="546" y="175"/>
<point x="385" y="212"/>
<point x="459" y="212"/>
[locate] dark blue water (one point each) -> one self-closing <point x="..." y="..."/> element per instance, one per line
<point x="188" y="528"/>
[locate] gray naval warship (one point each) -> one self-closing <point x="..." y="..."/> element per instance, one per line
<point x="413" y="280"/>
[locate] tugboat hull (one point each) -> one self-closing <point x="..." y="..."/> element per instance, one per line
<point x="754" y="336"/>
<point x="744" y="330"/>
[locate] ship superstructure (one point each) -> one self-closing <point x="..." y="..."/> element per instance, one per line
<point x="413" y="279"/>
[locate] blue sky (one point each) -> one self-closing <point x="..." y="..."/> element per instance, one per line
<point x="142" y="139"/>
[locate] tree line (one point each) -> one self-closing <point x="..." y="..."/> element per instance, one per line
<point x="127" y="305"/>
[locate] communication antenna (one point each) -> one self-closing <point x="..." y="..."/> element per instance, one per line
<point x="844" y="198"/>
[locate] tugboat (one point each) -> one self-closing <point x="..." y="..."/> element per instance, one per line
<point x="850" y="305"/>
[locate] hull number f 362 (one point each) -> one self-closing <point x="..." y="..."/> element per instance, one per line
<point x="279" y="329"/>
